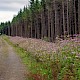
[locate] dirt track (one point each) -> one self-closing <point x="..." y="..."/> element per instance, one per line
<point x="11" y="67"/>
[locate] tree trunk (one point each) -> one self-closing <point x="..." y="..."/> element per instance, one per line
<point x="55" y="18"/>
<point x="43" y="24"/>
<point x="63" y="18"/>
<point x="68" y="17"/>
<point x="49" y="24"/>
<point x="79" y="15"/>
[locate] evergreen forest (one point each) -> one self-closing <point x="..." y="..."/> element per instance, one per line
<point x="45" y="19"/>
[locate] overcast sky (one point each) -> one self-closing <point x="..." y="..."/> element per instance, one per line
<point x="9" y="8"/>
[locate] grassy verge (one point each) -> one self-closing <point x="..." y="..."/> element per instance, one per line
<point x="63" y="65"/>
<point x="38" y="70"/>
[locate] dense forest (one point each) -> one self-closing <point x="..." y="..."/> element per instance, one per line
<point x="45" y="19"/>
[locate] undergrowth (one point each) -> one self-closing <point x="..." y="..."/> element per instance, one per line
<point x="63" y="65"/>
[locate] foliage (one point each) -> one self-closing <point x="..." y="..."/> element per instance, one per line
<point x="45" y="18"/>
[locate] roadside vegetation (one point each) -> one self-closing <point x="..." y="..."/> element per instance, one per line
<point x="55" y="21"/>
<point x="64" y="64"/>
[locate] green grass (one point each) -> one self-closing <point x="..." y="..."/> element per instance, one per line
<point x="64" y="65"/>
<point x="35" y="68"/>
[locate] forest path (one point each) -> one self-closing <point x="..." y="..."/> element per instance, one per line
<point x="11" y="67"/>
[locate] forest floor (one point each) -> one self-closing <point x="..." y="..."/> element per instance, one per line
<point x="11" y="66"/>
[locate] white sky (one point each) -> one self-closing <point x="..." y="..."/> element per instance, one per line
<point x="9" y="8"/>
<point x="6" y="16"/>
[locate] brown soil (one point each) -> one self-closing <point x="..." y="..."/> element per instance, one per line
<point x="11" y="67"/>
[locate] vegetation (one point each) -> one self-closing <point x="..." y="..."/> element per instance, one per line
<point x="62" y="65"/>
<point x="48" y="20"/>
<point x="45" y="18"/>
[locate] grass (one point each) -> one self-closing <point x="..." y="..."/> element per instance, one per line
<point x="37" y="69"/>
<point x="63" y="65"/>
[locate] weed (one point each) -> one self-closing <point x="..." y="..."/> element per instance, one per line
<point x="62" y="65"/>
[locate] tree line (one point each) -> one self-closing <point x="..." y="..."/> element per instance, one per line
<point x="45" y="19"/>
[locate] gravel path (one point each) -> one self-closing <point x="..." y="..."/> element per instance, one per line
<point x="11" y="67"/>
